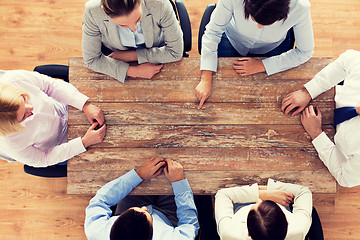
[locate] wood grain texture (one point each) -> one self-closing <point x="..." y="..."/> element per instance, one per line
<point x="211" y="159"/>
<point x="188" y="114"/>
<point x="88" y="182"/>
<point x="189" y="69"/>
<point x="174" y="84"/>
<point x="171" y="126"/>
<point x="203" y="136"/>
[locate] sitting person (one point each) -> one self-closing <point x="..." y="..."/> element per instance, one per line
<point x="255" y="28"/>
<point x="34" y="115"/>
<point x="116" y="32"/>
<point x="143" y="217"/>
<point x="267" y="218"/>
<point x="342" y="158"/>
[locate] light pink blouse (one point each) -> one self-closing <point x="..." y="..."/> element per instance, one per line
<point x="44" y="140"/>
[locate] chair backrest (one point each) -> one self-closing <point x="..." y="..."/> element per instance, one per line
<point x="185" y="25"/>
<point x="316" y="230"/>
<point x="204" y="21"/>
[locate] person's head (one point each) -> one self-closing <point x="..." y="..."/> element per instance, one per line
<point x="124" y="13"/>
<point x="14" y="108"/>
<point x="133" y="224"/>
<point x="266" y="12"/>
<point x="266" y="221"/>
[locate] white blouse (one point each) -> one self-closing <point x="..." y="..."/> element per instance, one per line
<point x="43" y="142"/>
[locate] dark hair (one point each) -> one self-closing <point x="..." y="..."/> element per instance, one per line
<point x="266" y="12"/>
<point x="114" y="8"/>
<point x="131" y="225"/>
<point x="267" y="222"/>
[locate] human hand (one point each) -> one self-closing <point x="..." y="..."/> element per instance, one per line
<point x="311" y="121"/>
<point x="125" y="56"/>
<point x="93" y="135"/>
<point x="357" y="108"/>
<point x="203" y="89"/>
<point x="151" y="168"/>
<point x="145" y="70"/>
<point x="296" y="101"/>
<point x="174" y="171"/>
<point x="248" y="66"/>
<point x="93" y="113"/>
<point x="281" y="197"/>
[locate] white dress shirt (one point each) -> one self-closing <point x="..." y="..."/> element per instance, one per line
<point x="233" y="226"/>
<point x="43" y="142"/>
<point x="245" y="37"/>
<point x="342" y="158"/>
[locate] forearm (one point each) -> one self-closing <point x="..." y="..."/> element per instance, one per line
<point x="186" y="209"/>
<point x="171" y="52"/>
<point x="287" y="60"/>
<point x="42" y="158"/>
<point x="328" y="77"/>
<point x="108" y="195"/>
<point x="333" y="158"/>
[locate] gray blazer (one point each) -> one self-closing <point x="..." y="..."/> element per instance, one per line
<point x="158" y="18"/>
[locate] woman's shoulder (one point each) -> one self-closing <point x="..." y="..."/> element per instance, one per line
<point x="15" y="76"/>
<point x="156" y="5"/>
<point x="300" y="4"/>
<point x="93" y="5"/>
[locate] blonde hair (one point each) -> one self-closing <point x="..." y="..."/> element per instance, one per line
<point x="10" y="100"/>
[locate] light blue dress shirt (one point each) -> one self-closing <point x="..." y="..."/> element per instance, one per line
<point x="245" y="37"/>
<point x="98" y="220"/>
<point x="128" y="38"/>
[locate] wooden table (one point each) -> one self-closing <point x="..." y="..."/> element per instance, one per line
<point x="240" y="136"/>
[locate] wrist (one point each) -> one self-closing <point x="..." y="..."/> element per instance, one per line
<point x="84" y="142"/>
<point x="138" y="172"/>
<point x="314" y="134"/>
<point x="86" y="104"/>
<point x="262" y="194"/>
<point x="206" y="76"/>
<point x="131" y="72"/>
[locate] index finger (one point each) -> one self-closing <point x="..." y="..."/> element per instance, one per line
<point x="202" y="100"/>
<point x="93" y="126"/>
<point x="100" y="118"/>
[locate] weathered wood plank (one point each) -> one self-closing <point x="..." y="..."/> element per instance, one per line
<point x="88" y="182"/>
<point x="188" y="114"/>
<point x="184" y="91"/>
<point x="202" y="136"/>
<point x="222" y="159"/>
<point x="189" y="69"/>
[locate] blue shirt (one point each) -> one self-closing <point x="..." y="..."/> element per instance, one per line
<point x="98" y="220"/>
<point x="245" y="37"/>
<point x="128" y="38"/>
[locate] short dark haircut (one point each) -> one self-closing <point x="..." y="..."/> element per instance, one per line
<point x="131" y="225"/>
<point x="115" y="8"/>
<point x="266" y="12"/>
<point x="267" y="222"/>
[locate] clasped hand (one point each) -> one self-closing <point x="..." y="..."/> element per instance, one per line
<point x="97" y="130"/>
<point x="155" y="166"/>
<point x="281" y="197"/>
